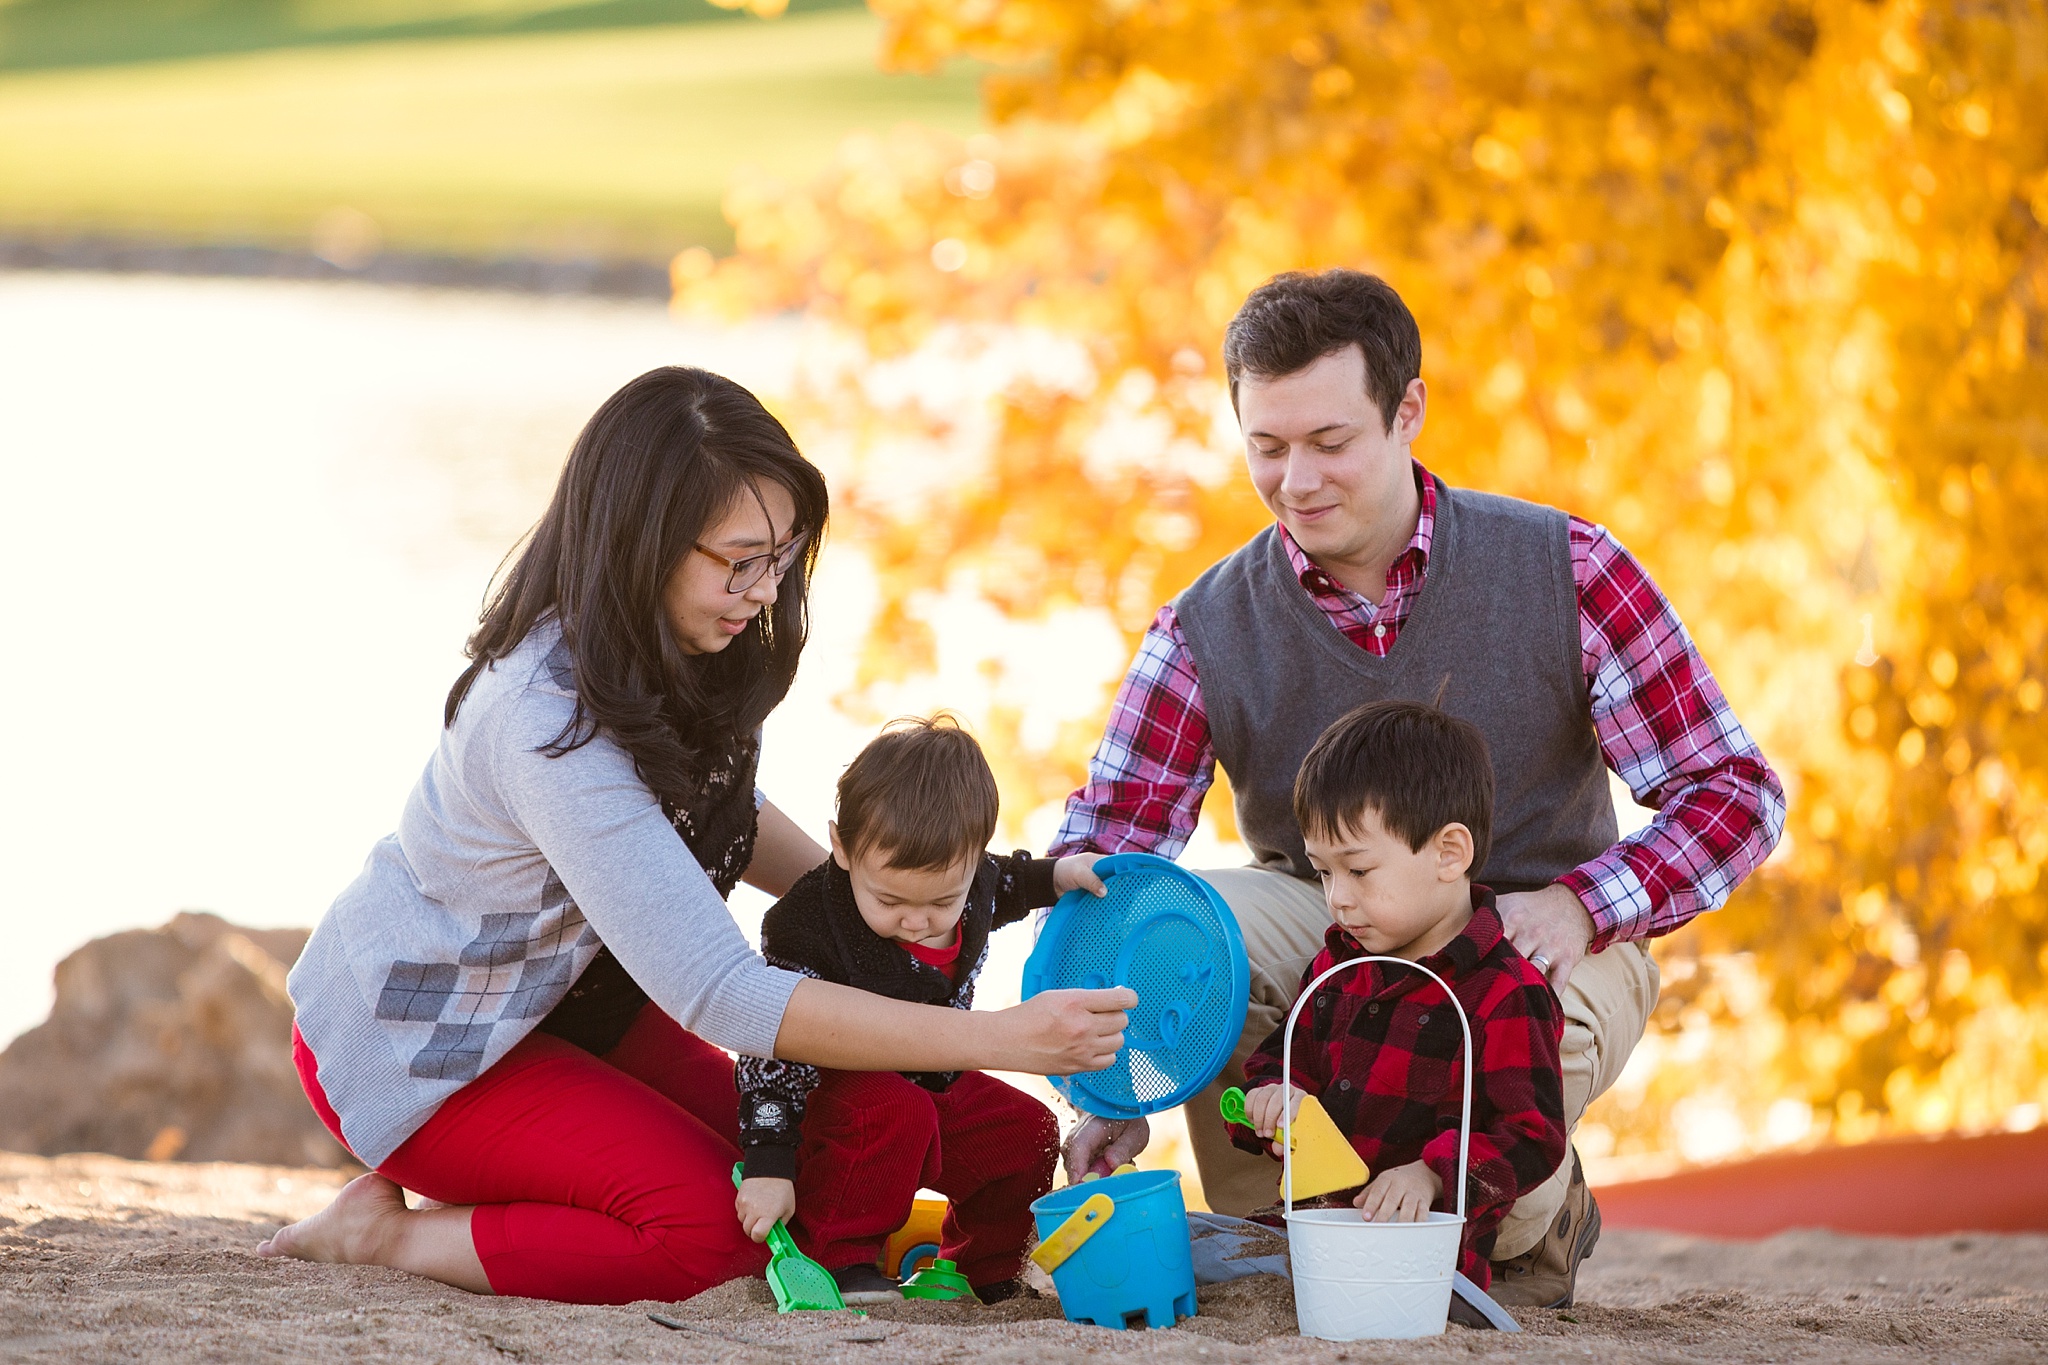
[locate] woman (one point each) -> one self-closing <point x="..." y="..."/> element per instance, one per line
<point x="517" y="1008"/>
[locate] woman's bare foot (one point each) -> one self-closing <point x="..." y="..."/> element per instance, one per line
<point x="369" y="1224"/>
<point x="358" y="1228"/>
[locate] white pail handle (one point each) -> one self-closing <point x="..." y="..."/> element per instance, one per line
<point x="1287" y="1073"/>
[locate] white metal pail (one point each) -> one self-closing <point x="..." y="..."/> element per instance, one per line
<point x="1354" y="1279"/>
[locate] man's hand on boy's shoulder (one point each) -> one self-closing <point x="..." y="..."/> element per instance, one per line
<point x="1076" y="872"/>
<point x="762" y="1202"/>
<point x="1549" y="927"/>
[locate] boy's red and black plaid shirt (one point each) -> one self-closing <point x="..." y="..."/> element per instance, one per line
<point x="1381" y="1048"/>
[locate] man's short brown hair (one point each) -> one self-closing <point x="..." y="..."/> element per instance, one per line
<point x="1293" y="320"/>
<point x="921" y="794"/>
<point x="1415" y="767"/>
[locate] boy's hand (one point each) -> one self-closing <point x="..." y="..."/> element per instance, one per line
<point x="1401" y="1195"/>
<point x="1076" y="872"/>
<point x="1262" y="1107"/>
<point x="762" y="1202"/>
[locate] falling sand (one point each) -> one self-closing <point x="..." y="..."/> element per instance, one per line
<point x="105" y="1259"/>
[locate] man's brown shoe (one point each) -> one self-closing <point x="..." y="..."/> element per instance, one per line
<point x="1544" y="1276"/>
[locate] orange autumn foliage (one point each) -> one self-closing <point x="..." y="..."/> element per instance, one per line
<point x="1761" y="285"/>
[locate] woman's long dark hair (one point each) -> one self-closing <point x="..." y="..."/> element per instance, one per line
<point x="658" y="465"/>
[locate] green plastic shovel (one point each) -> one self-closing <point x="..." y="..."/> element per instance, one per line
<point x="800" y="1283"/>
<point x="939" y="1280"/>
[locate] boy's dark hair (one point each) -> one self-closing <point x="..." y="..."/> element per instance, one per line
<point x="921" y="793"/>
<point x="1415" y="767"/>
<point x="1293" y="320"/>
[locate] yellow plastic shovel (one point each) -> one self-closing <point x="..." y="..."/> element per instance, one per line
<point x="1324" y="1160"/>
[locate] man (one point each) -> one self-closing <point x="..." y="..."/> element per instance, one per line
<point x="1377" y="580"/>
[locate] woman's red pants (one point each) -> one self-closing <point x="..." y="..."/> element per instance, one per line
<point x="595" y="1179"/>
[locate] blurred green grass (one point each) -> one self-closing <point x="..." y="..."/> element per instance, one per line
<point x="605" y="143"/>
<point x="46" y="33"/>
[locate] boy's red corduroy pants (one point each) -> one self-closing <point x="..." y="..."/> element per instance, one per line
<point x="872" y="1138"/>
<point x="595" y="1179"/>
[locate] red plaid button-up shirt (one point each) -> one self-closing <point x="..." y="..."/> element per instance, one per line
<point x="1382" y="1049"/>
<point x="1661" y="720"/>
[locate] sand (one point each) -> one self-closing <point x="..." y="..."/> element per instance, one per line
<point x="104" y="1259"/>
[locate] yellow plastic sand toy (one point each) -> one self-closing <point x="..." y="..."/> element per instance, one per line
<point x="915" y="1245"/>
<point x="1324" y="1160"/>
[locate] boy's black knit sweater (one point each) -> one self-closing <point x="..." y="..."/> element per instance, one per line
<point x="817" y="930"/>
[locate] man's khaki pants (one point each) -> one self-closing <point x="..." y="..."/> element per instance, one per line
<point x="1607" y="1005"/>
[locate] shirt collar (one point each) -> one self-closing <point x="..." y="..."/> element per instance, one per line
<point x="1481" y="935"/>
<point x="1319" y="583"/>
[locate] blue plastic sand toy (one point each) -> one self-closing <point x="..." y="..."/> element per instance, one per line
<point x="1168" y="936"/>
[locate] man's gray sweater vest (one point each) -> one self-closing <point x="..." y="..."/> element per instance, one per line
<point x="1497" y="620"/>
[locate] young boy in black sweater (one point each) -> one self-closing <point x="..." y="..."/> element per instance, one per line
<point x="903" y="908"/>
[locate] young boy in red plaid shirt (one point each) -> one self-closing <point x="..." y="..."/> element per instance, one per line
<point x="1396" y="807"/>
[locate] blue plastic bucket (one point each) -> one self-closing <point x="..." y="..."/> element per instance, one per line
<point x="1138" y="1268"/>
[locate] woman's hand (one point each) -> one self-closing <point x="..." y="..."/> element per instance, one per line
<point x="1262" y="1107"/>
<point x="1099" y="1146"/>
<point x="764" y="1201"/>
<point x="1401" y="1195"/>
<point x="1076" y="872"/>
<point x="1057" y="1033"/>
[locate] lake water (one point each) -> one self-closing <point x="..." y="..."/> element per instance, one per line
<point x="248" y="525"/>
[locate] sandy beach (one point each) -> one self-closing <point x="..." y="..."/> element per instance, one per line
<point x="106" y="1259"/>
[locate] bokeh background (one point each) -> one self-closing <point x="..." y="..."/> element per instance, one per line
<point x="1761" y="286"/>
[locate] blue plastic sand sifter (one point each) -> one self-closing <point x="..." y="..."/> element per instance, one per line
<point x="1167" y="935"/>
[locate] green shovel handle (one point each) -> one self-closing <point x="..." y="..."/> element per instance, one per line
<point x="780" y="1243"/>
<point x="1232" y="1105"/>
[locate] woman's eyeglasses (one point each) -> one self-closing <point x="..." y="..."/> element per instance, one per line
<point x="745" y="573"/>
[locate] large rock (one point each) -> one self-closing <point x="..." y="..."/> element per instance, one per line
<point x="171" y="1043"/>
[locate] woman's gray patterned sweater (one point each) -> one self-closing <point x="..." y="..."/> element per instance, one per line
<point x="508" y="871"/>
<point x="817" y="930"/>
